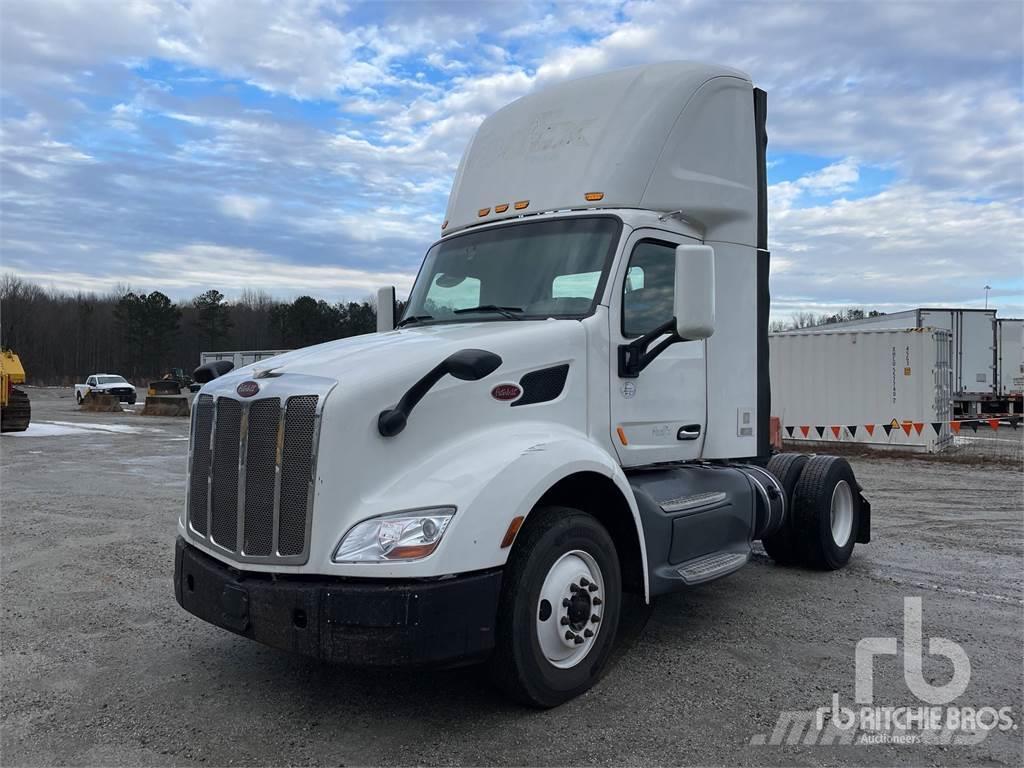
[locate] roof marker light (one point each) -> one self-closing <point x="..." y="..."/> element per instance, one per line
<point x="501" y="208"/>
<point x="483" y="212"/>
<point x="521" y="204"/>
<point x="593" y="197"/>
<point x="445" y="225"/>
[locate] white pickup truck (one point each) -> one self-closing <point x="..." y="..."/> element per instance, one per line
<point x="109" y="384"/>
<point x="574" y="405"/>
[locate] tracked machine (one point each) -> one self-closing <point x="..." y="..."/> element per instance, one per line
<point x="15" y="408"/>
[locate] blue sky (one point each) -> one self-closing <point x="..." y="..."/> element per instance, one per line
<point x="307" y="147"/>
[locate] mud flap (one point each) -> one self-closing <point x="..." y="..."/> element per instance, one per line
<point x="864" y="525"/>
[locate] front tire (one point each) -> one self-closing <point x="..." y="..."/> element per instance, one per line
<point x="559" y="608"/>
<point x="78" y="397"/>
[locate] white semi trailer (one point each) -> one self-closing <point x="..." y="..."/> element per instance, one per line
<point x="574" y="406"/>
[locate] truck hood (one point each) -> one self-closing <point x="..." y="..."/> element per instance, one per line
<point x="406" y="354"/>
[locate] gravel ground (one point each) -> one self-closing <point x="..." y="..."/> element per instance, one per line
<point x="101" y="667"/>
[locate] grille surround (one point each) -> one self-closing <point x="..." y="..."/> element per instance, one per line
<point x="258" y="443"/>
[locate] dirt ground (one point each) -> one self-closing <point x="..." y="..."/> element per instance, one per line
<point x="101" y="667"/>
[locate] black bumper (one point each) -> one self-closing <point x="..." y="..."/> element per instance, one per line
<point x="370" y="623"/>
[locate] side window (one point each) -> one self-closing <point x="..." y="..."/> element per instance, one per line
<point x="450" y="292"/>
<point x="91" y="381"/>
<point x="648" y="290"/>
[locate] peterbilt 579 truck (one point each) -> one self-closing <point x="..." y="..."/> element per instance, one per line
<point x="573" y="407"/>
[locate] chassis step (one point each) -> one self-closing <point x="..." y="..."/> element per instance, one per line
<point x="712" y="566"/>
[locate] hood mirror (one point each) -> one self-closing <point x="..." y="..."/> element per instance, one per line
<point x="212" y="370"/>
<point x="472" y="364"/>
<point x="466" y="364"/>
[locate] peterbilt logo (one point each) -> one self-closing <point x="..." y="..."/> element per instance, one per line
<point x="506" y="392"/>
<point x="247" y="388"/>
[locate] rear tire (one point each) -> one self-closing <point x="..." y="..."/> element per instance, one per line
<point x="826" y="507"/>
<point x="562" y="574"/>
<point x="16" y="415"/>
<point x="781" y="545"/>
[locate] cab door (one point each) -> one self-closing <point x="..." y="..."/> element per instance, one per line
<point x="660" y="415"/>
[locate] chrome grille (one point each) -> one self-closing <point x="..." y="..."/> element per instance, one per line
<point x="296" y="474"/>
<point x="260" y="471"/>
<point x="224" y="502"/>
<point x="251" y="476"/>
<point x="199" y="481"/>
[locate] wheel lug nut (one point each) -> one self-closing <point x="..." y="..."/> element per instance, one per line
<point x="569" y="635"/>
<point x="565" y="602"/>
<point x="592" y="587"/>
<point x="578" y="640"/>
<point x="584" y="582"/>
<point x="597" y="601"/>
<point x="565" y="621"/>
<point x="574" y="588"/>
<point x="595" y="618"/>
<point x="587" y="633"/>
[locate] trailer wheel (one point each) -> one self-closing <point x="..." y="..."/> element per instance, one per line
<point x="559" y="608"/>
<point x="826" y="509"/>
<point x="781" y="546"/>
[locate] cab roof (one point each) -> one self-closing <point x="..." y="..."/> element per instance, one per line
<point x="675" y="136"/>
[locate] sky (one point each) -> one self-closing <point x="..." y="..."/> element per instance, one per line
<point x="308" y="147"/>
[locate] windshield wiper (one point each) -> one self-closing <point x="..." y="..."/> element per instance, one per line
<point x="414" y="319"/>
<point x="505" y="311"/>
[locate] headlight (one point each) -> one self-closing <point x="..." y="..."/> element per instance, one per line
<point x="402" y="536"/>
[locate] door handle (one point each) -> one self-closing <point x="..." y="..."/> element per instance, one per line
<point x="688" y="432"/>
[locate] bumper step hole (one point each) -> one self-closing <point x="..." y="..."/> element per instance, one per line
<point x="191" y="583"/>
<point x="299" y="618"/>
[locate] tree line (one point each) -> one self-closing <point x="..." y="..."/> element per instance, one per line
<point x="800" y="320"/>
<point x="62" y="337"/>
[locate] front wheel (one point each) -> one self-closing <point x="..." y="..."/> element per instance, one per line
<point x="78" y="397"/>
<point x="559" y="608"/>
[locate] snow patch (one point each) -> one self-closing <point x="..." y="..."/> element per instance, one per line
<point x="64" y="428"/>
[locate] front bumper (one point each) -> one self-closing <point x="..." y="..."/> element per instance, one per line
<point x="371" y="623"/>
<point x="123" y="395"/>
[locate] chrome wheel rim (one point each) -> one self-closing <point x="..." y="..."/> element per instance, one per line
<point x="570" y="609"/>
<point x="842" y="513"/>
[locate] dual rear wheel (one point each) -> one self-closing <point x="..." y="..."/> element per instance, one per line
<point x="824" y="515"/>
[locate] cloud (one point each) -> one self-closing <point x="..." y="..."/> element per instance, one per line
<point x="189" y="270"/>
<point x="244" y="207"/>
<point x="324" y="135"/>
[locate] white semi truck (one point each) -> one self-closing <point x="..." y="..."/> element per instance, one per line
<point x="574" y="406"/>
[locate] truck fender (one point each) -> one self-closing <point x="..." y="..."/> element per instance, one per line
<point x="498" y="475"/>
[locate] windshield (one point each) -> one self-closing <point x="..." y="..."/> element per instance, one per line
<point x="531" y="270"/>
<point x="110" y="380"/>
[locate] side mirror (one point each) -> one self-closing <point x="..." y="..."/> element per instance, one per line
<point x="212" y="370"/>
<point x="695" y="291"/>
<point x="386" y="309"/>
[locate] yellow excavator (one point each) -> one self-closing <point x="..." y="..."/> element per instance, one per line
<point x="15" y="409"/>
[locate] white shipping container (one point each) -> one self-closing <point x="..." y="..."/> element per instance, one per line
<point x="1010" y="347"/>
<point x="972" y="341"/>
<point x="240" y="358"/>
<point x="849" y="386"/>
